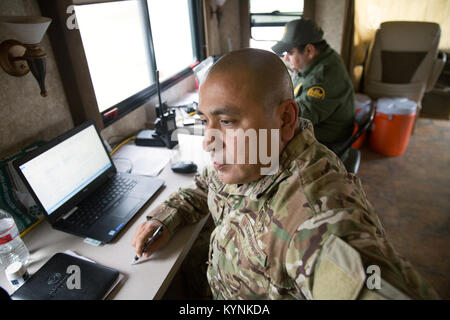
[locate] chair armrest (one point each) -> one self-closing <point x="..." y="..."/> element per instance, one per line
<point x="436" y="70"/>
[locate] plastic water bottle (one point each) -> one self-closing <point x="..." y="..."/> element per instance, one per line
<point x="12" y="248"/>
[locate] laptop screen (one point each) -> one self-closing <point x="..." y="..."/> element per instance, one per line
<point x="62" y="171"/>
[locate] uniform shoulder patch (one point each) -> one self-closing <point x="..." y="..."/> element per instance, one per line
<point x="316" y="92"/>
<point x="340" y="274"/>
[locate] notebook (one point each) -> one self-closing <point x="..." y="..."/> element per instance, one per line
<point x="74" y="181"/>
<point x="65" y="277"/>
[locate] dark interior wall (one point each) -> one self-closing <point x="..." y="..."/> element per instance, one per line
<point x="330" y="15"/>
<point x="336" y="18"/>
<point x="26" y="116"/>
<point x="232" y="32"/>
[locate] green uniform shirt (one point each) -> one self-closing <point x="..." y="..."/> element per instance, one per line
<point x="307" y="231"/>
<point x="324" y="93"/>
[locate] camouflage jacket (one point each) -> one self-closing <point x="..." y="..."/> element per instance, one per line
<point x="307" y="231"/>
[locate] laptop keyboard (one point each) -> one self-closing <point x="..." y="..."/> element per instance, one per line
<point x="95" y="206"/>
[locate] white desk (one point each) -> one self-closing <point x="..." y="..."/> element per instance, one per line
<point x="146" y="280"/>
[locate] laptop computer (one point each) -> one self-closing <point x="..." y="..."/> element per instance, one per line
<point x="75" y="183"/>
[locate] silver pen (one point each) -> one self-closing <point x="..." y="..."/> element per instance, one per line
<point x="155" y="235"/>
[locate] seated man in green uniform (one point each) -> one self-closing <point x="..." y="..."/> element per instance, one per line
<point x="304" y="230"/>
<point x="322" y="87"/>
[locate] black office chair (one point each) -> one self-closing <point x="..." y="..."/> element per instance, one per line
<point x="364" y="119"/>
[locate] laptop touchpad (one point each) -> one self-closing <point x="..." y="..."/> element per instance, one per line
<point x="125" y="207"/>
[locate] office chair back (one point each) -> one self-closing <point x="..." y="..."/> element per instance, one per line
<point x="403" y="60"/>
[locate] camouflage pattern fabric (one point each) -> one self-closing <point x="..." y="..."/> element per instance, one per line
<point x="306" y="232"/>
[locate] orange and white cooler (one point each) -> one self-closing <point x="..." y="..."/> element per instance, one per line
<point x="362" y="102"/>
<point x="392" y="126"/>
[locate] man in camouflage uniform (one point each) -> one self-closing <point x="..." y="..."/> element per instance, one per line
<point x="322" y="87"/>
<point x="304" y="231"/>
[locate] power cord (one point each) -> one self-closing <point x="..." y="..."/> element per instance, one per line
<point x="121" y="144"/>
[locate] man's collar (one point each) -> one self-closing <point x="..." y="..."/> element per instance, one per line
<point x="303" y="138"/>
<point x="306" y="70"/>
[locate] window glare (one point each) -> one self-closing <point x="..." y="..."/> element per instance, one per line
<point x="267" y="33"/>
<point x="171" y="33"/>
<point x="114" y="41"/>
<point x="265" y="37"/>
<point x="262" y="6"/>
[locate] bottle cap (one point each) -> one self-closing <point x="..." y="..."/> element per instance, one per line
<point x="15" y="271"/>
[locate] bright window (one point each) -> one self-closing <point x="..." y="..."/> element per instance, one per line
<point x="113" y="36"/>
<point x="268" y="18"/>
<point x="118" y="38"/>
<point x="172" y="37"/>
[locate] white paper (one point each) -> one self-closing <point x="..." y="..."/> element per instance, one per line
<point x="146" y="161"/>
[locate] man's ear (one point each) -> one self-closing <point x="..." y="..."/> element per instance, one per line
<point x="288" y="111"/>
<point x="311" y="51"/>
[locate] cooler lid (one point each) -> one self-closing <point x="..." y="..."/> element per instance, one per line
<point x="396" y="106"/>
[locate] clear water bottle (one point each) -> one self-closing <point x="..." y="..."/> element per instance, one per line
<point x="12" y="247"/>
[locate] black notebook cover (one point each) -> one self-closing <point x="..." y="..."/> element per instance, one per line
<point x="56" y="281"/>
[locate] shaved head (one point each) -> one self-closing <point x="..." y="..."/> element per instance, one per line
<point x="248" y="97"/>
<point x="259" y="73"/>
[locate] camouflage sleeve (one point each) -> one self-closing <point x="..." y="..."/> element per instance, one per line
<point x="303" y="252"/>
<point x="334" y="256"/>
<point x="341" y="250"/>
<point x="186" y="206"/>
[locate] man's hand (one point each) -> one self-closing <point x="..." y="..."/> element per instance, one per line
<point x="143" y="232"/>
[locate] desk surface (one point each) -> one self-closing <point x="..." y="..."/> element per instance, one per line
<point x="146" y="280"/>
